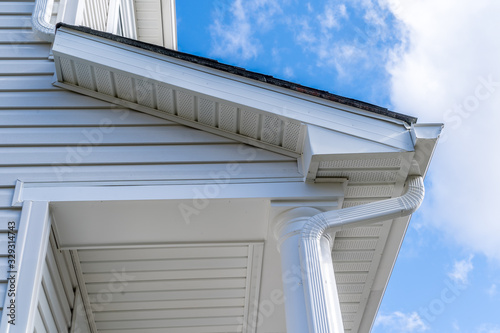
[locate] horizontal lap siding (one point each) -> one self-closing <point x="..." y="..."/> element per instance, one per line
<point x="20" y="54"/>
<point x="56" y="296"/>
<point x="148" y="19"/>
<point x="6" y="215"/>
<point x="48" y="134"/>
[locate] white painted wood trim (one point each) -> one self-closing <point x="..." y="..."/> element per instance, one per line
<point x="18" y="193"/>
<point x="31" y="244"/>
<point x="285" y="191"/>
<point x="169" y="22"/>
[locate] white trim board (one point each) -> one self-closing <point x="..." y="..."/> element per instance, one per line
<point x="298" y="191"/>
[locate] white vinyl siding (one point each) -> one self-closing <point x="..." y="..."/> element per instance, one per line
<point x="6" y="215"/>
<point x="95" y="14"/>
<point x="57" y="295"/>
<point x="149" y="21"/>
<point x="48" y="134"/>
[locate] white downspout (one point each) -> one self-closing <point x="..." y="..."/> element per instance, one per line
<point x="40" y="20"/>
<point x="322" y="304"/>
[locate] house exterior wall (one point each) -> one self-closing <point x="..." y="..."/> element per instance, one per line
<point x="57" y="296"/>
<point x="51" y="135"/>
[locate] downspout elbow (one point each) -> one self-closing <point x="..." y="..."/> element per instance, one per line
<point x="323" y="310"/>
<point x="378" y="211"/>
<point x="413" y="197"/>
<point x="40" y="20"/>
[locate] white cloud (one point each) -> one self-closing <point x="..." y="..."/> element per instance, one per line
<point x="447" y="71"/>
<point x="488" y="328"/>
<point x="401" y="322"/>
<point x="309" y="7"/>
<point x="492" y="291"/>
<point x="288" y="72"/>
<point x="233" y="28"/>
<point x="330" y="16"/>
<point x="461" y="269"/>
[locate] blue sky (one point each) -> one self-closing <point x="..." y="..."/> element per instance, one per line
<point x="438" y="60"/>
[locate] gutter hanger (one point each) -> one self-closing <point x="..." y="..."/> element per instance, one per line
<point x="40" y="19"/>
<point x="322" y="302"/>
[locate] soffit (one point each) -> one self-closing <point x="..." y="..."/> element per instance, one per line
<point x="185" y="288"/>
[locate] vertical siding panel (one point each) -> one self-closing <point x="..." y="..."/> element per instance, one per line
<point x="45" y="311"/>
<point x="39" y="325"/>
<point x="64" y="278"/>
<point x="56" y="297"/>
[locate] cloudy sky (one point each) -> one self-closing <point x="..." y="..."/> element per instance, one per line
<point x="435" y="59"/>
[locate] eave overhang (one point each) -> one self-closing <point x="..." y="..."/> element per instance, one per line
<point x="221" y="99"/>
<point x="369" y="149"/>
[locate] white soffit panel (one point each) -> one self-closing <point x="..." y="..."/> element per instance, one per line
<point x="188" y="288"/>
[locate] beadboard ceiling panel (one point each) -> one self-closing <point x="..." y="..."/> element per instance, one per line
<point x="183" y="288"/>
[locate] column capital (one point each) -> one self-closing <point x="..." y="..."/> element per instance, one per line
<point x="290" y="222"/>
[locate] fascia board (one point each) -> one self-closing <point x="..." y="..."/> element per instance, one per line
<point x="426" y="137"/>
<point x="326" y="145"/>
<point x="383" y="273"/>
<point x="328" y="142"/>
<point x="210" y="82"/>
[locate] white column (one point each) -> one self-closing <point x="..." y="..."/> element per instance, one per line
<point x="31" y="247"/>
<point x="288" y="232"/>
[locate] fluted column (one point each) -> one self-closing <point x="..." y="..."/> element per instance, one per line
<point x="288" y="232"/>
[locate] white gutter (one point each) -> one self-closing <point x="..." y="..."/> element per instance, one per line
<point x="40" y="20"/>
<point x="322" y="307"/>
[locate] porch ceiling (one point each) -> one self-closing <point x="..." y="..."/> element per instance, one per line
<point x="185" y="288"/>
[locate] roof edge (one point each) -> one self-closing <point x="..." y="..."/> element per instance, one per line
<point x="214" y="64"/>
